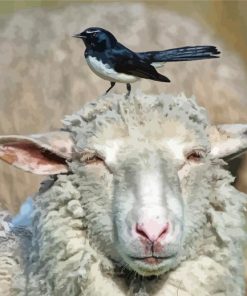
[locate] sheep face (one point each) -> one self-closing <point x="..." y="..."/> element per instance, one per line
<point x="141" y="199"/>
<point x="143" y="209"/>
<point x="148" y="204"/>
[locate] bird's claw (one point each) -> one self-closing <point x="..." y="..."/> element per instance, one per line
<point x="127" y="95"/>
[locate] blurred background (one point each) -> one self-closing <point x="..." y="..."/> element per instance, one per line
<point x="44" y="75"/>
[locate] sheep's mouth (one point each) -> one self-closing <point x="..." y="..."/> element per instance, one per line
<point x="152" y="265"/>
<point x="152" y="260"/>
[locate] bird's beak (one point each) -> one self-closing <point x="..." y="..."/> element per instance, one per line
<point x="79" y="35"/>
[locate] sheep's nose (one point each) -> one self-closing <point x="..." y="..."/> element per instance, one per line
<point x="152" y="230"/>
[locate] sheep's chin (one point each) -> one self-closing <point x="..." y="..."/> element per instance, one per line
<point x="151" y="269"/>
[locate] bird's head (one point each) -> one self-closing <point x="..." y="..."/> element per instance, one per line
<point x="97" y="38"/>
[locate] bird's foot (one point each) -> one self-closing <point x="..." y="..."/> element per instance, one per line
<point x="112" y="85"/>
<point x="127" y="95"/>
<point x="128" y="91"/>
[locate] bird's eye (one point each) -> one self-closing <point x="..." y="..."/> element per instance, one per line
<point x="94" y="34"/>
<point x="195" y="155"/>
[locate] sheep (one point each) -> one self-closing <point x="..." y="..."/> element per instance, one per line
<point x="139" y="202"/>
<point x="43" y="69"/>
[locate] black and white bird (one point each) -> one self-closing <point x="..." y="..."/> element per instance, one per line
<point x="114" y="62"/>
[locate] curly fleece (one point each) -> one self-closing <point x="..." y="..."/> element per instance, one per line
<point x="71" y="253"/>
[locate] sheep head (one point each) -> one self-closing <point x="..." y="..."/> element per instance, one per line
<point x="143" y="167"/>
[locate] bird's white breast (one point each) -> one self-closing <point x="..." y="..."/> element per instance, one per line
<point x="104" y="71"/>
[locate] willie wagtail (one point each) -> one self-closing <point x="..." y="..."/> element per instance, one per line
<point x="114" y="62"/>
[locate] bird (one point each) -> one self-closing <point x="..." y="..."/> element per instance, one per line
<point x="114" y="62"/>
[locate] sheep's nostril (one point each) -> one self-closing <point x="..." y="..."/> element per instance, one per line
<point x="165" y="230"/>
<point x="140" y="231"/>
<point x="152" y="230"/>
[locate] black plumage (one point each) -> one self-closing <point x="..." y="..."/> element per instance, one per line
<point x="187" y="53"/>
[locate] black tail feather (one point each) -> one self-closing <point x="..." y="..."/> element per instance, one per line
<point x="188" y="53"/>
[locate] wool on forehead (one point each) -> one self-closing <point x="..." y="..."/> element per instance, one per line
<point x="114" y="116"/>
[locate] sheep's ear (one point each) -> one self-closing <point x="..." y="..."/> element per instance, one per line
<point x="42" y="154"/>
<point x="228" y="140"/>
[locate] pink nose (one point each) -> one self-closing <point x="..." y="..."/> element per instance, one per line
<point x="152" y="230"/>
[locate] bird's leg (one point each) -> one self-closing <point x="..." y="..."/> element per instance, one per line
<point x="112" y="85"/>
<point x="128" y="89"/>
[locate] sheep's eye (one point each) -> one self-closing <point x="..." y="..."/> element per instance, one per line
<point x="89" y="158"/>
<point x="195" y="156"/>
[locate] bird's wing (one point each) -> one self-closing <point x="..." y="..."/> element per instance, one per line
<point x="128" y="62"/>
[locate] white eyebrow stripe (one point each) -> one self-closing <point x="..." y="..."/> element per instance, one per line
<point x="93" y="31"/>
